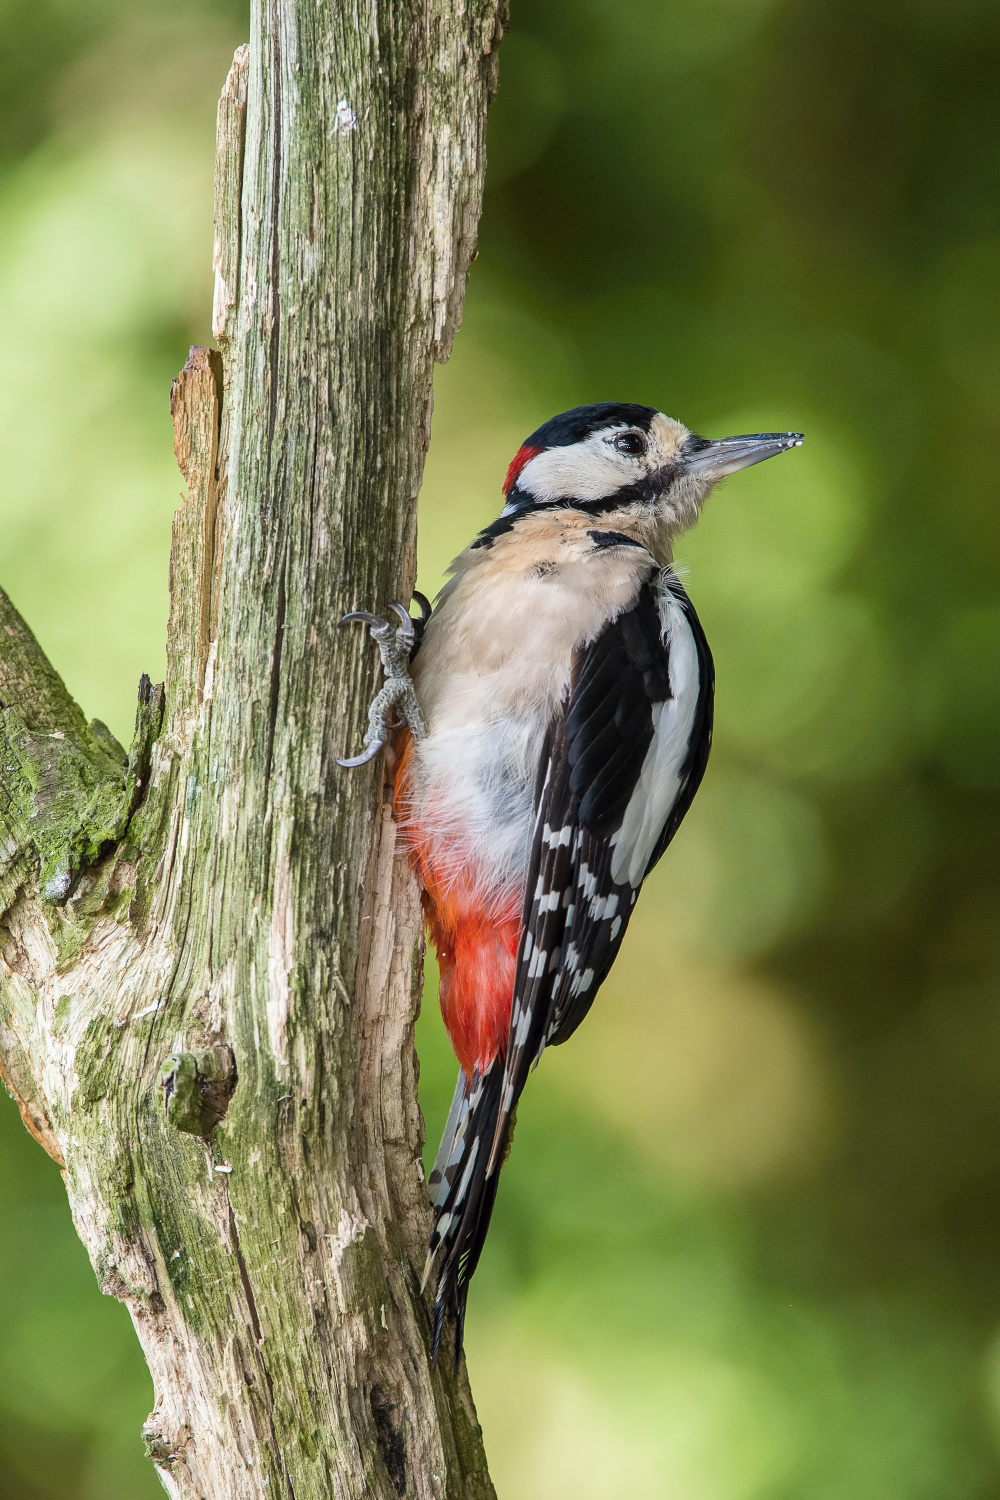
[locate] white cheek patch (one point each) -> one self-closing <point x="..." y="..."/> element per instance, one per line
<point x="590" y="470"/>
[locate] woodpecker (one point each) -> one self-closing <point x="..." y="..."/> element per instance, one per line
<point x="558" y="704"/>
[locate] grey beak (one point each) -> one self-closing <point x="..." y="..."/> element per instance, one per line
<point x="715" y="458"/>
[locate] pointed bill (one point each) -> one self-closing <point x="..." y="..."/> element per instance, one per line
<point x="714" y="458"/>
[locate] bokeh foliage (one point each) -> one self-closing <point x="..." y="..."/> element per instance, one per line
<point x="748" y="1242"/>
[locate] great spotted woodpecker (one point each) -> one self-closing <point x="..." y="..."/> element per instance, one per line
<point x="559" y="702"/>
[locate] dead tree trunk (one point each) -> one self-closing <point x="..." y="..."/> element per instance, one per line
<point x="210" y="950"/>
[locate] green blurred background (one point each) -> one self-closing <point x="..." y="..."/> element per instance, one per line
<point x="748" y="1243"/>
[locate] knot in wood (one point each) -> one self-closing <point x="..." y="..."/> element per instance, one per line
<point x="197" y="1088"/>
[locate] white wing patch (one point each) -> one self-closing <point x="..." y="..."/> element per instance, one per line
<point x="660" y="779"/>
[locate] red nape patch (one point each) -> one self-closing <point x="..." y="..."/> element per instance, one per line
<point x="521" y="457"/>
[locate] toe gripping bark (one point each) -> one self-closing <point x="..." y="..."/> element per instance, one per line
<point x="396" y="644"/>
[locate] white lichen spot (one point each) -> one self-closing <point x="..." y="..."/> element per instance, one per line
<point x="150" y="1010"/>
<point x="350" y="1229"/>
<point x="344" y="119"/>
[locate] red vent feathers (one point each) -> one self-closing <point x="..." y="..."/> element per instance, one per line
<point x="517" y="463"/>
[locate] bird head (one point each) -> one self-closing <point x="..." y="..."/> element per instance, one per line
<point x="631" y="465"/>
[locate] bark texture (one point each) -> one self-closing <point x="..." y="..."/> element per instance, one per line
<point x="210" y="948"/>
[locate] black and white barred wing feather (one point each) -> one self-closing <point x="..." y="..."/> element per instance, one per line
<point x="620" y="765"/>
<point x="623" y="766"/>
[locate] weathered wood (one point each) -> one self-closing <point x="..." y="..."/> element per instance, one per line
<point x="195" y="405"/>
<point x="230" y="140"/>
<point x="29" y="683"/>
<point x="227" y="892"/>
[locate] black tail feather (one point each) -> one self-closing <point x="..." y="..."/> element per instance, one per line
<point x="437" y="1327"/>
<point x="460" y="1328"/>
<point x="463" y="1196"/>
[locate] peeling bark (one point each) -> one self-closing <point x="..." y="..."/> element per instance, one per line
<point x="210" y="948"/>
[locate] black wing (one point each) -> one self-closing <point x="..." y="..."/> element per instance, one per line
<point x="576" y="910"/>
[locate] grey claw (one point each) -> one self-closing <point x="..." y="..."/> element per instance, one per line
<point x="426" y="608"/>
<point x="364" y="615"/>
<point x="363" y="758"/>
<point x="395" y="644"/>
<point x="407" y="631"/>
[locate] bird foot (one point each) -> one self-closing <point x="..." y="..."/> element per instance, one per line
<point x="395" y="644"/>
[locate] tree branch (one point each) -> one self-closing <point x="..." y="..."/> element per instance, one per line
<point x="30" y="684"/>
<point x="211" y="948"/>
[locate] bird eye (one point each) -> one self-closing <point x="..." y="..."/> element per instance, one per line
<point x="632" y="443"/>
